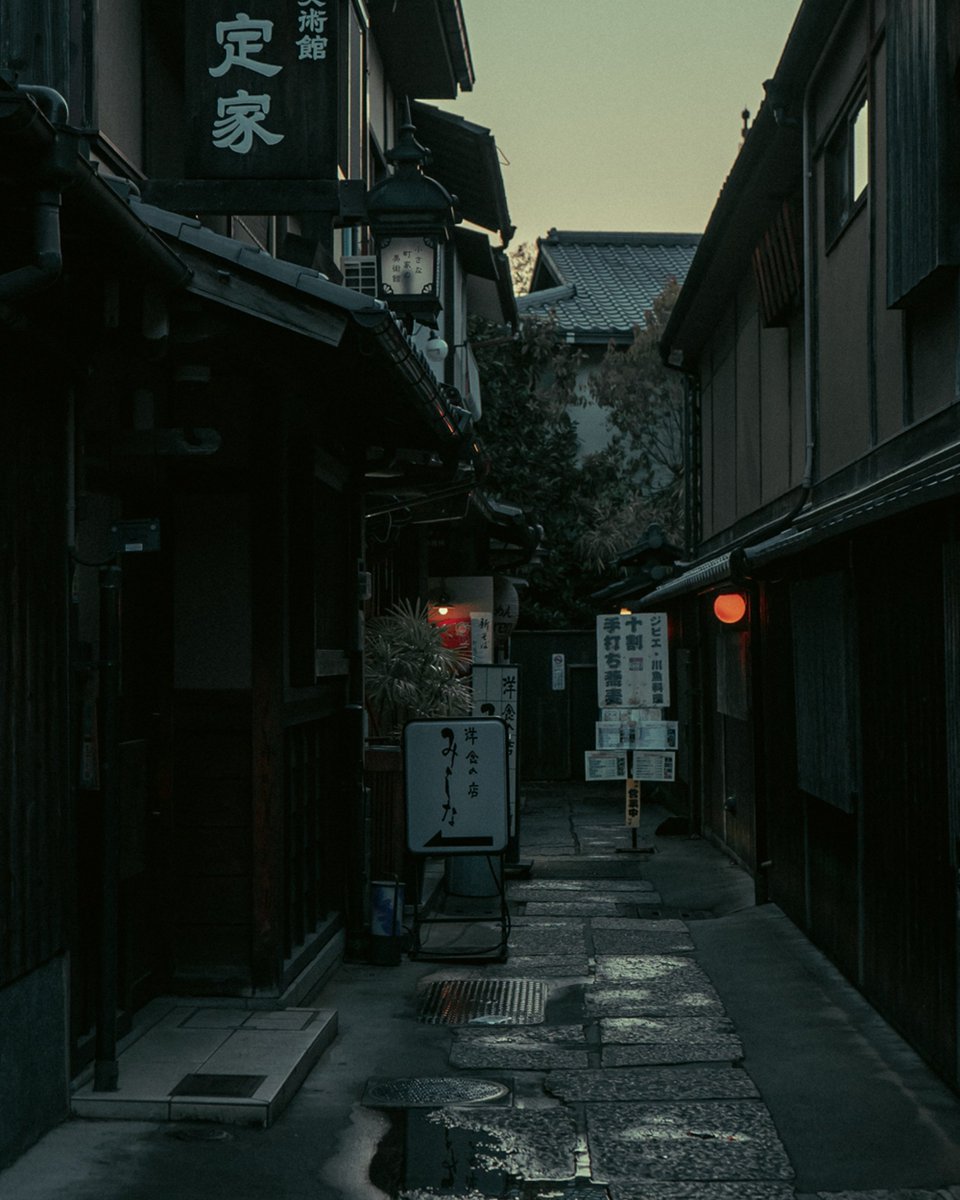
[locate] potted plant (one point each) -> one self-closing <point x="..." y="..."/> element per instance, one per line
<point x="408" y="673"/>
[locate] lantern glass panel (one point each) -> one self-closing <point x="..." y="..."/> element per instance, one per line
<point x="408" y="266"/>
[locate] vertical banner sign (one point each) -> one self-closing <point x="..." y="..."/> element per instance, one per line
<point x="496" y="694"/>
<point x="261" y="89"/>
<point x="633" y="668"/>
<point x="481" y="637"/>
<point x="558" y="673"/>
<point x="455" y="778"/>
<point x="632" y="819"/>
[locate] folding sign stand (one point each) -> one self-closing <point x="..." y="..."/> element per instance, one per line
<point x="468" y="953"/>
<point x="455" y="781"/>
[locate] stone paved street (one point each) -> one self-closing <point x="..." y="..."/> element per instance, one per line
<point x="652" y="1035"/>
<point x="636" y="1085"/>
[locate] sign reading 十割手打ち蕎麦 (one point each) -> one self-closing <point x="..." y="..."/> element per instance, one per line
<point x="633" y="666"/>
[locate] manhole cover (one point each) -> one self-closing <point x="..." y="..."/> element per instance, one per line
<point x="431" y="1093"/>
<point x="482" y="1002"/>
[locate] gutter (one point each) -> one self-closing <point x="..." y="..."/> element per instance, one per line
<point x="34" y="118"/>
<point x="25" y="122"/>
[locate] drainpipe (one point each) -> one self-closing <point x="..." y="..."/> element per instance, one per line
<point x="106" y="1067"/>
<point x="809" y="415"/>
<point x="33" y="118"/>
<point x="47" y="257"/>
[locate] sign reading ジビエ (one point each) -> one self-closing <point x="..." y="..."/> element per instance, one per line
<point x="260" y="84"/>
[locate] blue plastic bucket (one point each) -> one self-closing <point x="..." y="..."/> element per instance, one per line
<point x="386" y="920"/>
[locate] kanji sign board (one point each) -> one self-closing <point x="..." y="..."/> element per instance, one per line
<point x="633" y="668"/>
<point x="261" y="88"/>
<point x="455" y="778"/>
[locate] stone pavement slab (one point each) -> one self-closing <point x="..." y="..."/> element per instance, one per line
<point x="640" y="941"/>
<point x="652" y="999"/>
<point x="741" y="1190"/>
<point x="652" y="1083"/>
<point x="625" y="905"/>
<point x="719" y="1050"/>
<point x="709" y="1140"/>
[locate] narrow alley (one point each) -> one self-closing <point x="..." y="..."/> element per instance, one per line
<point x="652" y="1035"/>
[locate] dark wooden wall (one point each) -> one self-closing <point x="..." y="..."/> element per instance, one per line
<point x="872" y="879"/>
<point x="555" y="727"/>
<point x="33" y="674"/>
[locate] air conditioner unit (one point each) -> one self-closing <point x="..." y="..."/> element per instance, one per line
<point x="360" y="273"/>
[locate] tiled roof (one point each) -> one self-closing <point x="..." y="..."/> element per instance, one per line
<point x="600" y="284"/>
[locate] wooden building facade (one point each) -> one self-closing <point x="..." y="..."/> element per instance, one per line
<point x="195" y="409"/>
<point x="819" y="330"/>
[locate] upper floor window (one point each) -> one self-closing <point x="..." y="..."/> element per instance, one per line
<point x="847" y="167"/>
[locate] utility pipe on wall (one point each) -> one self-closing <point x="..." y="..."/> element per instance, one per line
<point x="47" y="256"/>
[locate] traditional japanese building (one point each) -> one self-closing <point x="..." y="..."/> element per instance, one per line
<point x="200" y="417"/>
<point x="818" y="329"/>
<point x="598" y="287"/>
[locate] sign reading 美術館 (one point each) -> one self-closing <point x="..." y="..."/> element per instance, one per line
<point x="261" y="89"/>
<point x="633" y="667"/>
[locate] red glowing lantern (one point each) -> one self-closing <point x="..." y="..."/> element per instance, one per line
<point x="730" y="607"/>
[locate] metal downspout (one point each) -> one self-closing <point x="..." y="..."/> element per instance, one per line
<point x="47" y="255"/>
<point x="809" y="346"/>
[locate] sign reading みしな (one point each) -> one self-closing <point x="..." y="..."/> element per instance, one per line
<point x="260" y="89"/>
<point x="633" y="666"/>
<point x="455" y="778"/>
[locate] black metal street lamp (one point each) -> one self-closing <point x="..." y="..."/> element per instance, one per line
<point x="411" y="217"/>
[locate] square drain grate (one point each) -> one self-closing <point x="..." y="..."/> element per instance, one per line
<point x="482" y="1002"/>
<point x="239" y="1087"/>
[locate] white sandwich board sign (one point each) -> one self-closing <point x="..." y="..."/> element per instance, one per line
<point x="455" y="777"/>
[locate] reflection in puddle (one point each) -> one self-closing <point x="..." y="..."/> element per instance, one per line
<point x="443" y="1155"/>
<point x="462" y="1152"/>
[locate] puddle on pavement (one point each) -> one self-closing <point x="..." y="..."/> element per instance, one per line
<point x="475" y="1153"/>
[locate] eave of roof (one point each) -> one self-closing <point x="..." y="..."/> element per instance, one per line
<point x="307" y="303"/>
<point x="480" y="259"/>
<point x="464" y="158"/>
<point x="424" y="47"/>
<point x="766" y="171"/>
<point x="599" y="286"/>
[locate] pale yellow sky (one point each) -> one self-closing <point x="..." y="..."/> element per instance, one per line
<point x="618" y="114"/>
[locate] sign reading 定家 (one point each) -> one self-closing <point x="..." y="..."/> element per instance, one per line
<point x="260" y="84"/>
<point x="455" y="777"/>
<point x="633" y="668"/>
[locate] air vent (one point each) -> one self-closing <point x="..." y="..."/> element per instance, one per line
<point x="360" y="273"/>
